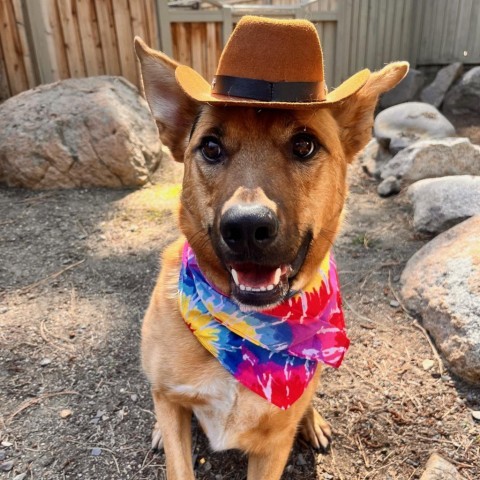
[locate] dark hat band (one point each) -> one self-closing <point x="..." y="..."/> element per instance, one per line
<point x="268" y="91"/>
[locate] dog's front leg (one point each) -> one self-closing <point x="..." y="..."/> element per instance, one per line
<point x="270" y="465"/>
<point x="175" y="426"/>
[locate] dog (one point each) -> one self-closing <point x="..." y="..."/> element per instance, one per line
<point x="246" y="307"/>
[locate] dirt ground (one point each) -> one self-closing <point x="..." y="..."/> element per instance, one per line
<point x="76" y="272"/>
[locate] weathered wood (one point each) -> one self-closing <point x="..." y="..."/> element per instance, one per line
<point x="4" y="87"/>
<point x="123" y="27"/>
<point x="71" y="37"/>
<point x="12" y="49"/>
<point x="87" y="23"/>
<point x="23" y="37"/>
<point x="151" y="23"/>
<point x="108" y="37"/>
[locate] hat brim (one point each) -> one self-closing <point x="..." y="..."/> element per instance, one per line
<point x="197" y="88"/>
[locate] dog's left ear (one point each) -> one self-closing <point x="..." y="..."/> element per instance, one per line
<point x="355" y="115"/>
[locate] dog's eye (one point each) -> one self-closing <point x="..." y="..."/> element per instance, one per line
<point x="211" y="150"/>
<point x="304" y="146"/>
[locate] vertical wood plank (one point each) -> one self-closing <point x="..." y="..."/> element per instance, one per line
<point x="123" y="28"/>
<point x="355" y="12"/>
<point x="372" y="34"/>
<point x="381" y="20"/>
<point x="151" y="19"/>
<point x="183" y="34"/>
<point x="108" y="37"/>
<point x="12" y="49"/>
<point x="23" y="37"/>
<point x="398" y="20"/>
<point x="408" y="30"/>
<point x="4" y="87"/>
<point x="197" y="47"/>
<point x="342" y="40"/>
<point x="473" y="47"/>
<point x="211" y="51"/>
<point x="87" y="23"/>
<point x="362" y="35"/>
<point x="164" y="27"/>
<point x="71" y="38"/>
<point x="461" y="36"/>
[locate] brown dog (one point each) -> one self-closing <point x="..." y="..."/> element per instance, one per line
<point x="263" y="195"/>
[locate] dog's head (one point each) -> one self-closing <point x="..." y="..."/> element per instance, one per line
<point x="264" y="189"/>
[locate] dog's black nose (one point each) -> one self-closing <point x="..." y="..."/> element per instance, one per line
<point x="247" y="226"/>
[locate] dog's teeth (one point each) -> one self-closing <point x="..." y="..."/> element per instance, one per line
<point x="242" y="287"/>
<point x="270" y="287"/>
<point x="263" y="289"/>
<point x="234" y="276"/>
<point x="248" y="289"/>
<point x="278" y="273"/>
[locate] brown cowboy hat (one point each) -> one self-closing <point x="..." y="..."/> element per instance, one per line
<point x="269" y="63"/>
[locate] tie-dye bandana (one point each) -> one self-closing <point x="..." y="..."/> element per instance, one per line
<point x="274" y="352"/>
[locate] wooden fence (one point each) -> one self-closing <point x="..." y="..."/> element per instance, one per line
<point x="46" y="40"/>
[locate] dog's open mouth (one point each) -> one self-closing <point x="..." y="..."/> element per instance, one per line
<point x="257" y="286"/>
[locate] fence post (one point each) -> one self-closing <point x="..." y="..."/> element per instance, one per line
<point x="164" y="27"/>
<point x="227" y="26"/>
<point x="37" y="20"/>
<point x="342" y="48"/>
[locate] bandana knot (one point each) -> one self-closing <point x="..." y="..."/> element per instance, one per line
<point x="273" y="352"/>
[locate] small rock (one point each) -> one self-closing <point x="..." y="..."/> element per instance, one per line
<point x="373" y="157"/>
<point x="207" y="466"/>
<point x="5" y="443"/>
<point x="134" y="397"/>
<point x="441" y="203"/>
<point x="6" y="466"/>
<point x="438" y="468"/>
<point x="21" y="476"/>
<point x="476" y="414"/>
<point x="389" y="186"/>
<point x="96" y="452"/>
<point x="462" y="98"/>
<point x="328" y="476"/>
<point x="407" y="90"/>
<point x="289" y="468"/>
<point x="45" y="361"/>
<point x="428" y="364"/>
<point x="434" y="158"/>
<point x="435" y="92"/>
<point x="301" y="460"/>
<point x="3" y="455"/>
<point x="3" y="310"/>
<point x="398" y="127"/>
<point x="65" y="413"/>
<point x="394" y="304"/>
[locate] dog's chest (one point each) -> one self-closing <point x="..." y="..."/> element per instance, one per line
<point x="219" y="410"/>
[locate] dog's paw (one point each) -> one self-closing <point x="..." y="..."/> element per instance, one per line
<point x="315" y="430"/>
<point x="157" y="439"/>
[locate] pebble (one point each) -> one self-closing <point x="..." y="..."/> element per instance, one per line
<point x="289" y="469"/>
<point x="3" y="310"/>
<point x="6" y="466"/>
<point x="65" y="413"/>
<point x="3" y="455"/>
<point x="134" y="397"/>
<point x="476" y="414"/>
<point x="6" y="444"/>
<point x="327" y="476"/>
<point x="427" y="364"/>
<point x="21" y="476"/>
<point x="394" y="304"/>
<point x="96" y="452"/>
<point x="45" y="361"/>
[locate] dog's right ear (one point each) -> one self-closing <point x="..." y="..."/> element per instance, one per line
<point x="173" y="111"/>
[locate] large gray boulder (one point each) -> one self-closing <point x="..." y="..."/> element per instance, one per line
<point x="434" y="158"/>
<point x="441" y="284"/>
<point x="435" y="92"/>
<point x="89" y="132"/>
<point x="440" y="203"/>
<point x="398" y="127"/>
<point x="406" y="91"/>
<point x="464" y="97"/>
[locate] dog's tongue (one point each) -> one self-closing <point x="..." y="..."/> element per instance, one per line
<point x="256" y="276"/>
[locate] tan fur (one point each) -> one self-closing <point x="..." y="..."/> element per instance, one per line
<point x="183" y="375"/>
